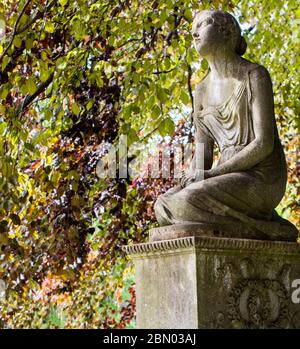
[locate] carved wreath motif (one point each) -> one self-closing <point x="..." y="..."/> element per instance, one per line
<point x="258" y="304"/>
<point x="258" y="301"/>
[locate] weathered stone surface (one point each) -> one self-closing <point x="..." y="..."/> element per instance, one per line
<point x="233" y="110"/>
<point x="237" y="230"/>
<point x="209" y="282"/>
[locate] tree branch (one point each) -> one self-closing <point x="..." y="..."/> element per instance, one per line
<point x="29" y="98"/>
<point x="190" y="135"/>
<point x="190" y="85"/>
<point x="38" y="15"/>
<point x="15" y="29"/>
<point x="128" y="41"/>
<point x="164" y="71"/>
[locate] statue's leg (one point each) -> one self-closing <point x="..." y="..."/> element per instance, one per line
<point x="180" y="206"/>
<point x="219" y="200"/>
<point x="227" y="201"/>
<point x="162" y="212"/>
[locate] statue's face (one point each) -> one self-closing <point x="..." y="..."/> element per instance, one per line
<point x="206" y="34"/>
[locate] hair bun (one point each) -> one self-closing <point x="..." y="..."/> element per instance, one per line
<point x="241" y="46"/>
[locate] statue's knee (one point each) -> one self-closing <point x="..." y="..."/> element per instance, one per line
<point x="186" y="196"/>
<point x="158" y="205"/>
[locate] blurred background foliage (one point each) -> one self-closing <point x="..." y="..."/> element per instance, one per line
<point x="75" y="74"/>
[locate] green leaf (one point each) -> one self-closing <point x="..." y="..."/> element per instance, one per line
<point x="17" y="42"/>
<point x="166" y="127"/>
<point x="44" y="56"/>
<point x="184" y="97"/>
<point x="30" y="86"/>
<point x="55" y="177"/>
<point x="3" y="126"/>
<point x="162" y="96"/>
<point x="4" y="92"/>
<point x="163" y="16"/>
<point x="75" y="108"/>
<point x="156" y="111"/>
<point x="29" y="146"/>
<point x="44" y="74"/>
<point x="29" y="43"/>
<point x="204" y="64"/>
<point x="61" y="63"/>
<point x="49" y="27"/>
<point x="132" y="137"/>
<point x="188" y="15"/>
<point x="151" y="101"/>
<point x="5" y="62"/>
<point x="63" y="2"/>
<point x="90" y="104"/>
<point x="95" y="246"/>
<point x="135" y="109"/>
<point x="190" y="55"/>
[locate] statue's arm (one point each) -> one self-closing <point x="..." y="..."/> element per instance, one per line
<point x="208" y="147"/>
<point x="201" y="137"/>
<point x="263" y="125"/>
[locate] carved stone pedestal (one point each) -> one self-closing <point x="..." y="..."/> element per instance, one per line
<point x="209" y="282"/>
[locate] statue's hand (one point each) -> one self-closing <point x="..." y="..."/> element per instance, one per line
<point x="189" y="177"/>
<point x="186" y="176"/>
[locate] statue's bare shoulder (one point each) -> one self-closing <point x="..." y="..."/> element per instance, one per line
<point x="256" y="71"/>
<point x="260" y="81"/>
<point x="199" y="93"/>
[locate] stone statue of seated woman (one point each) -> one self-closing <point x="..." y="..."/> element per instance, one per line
<point x="233" y="108"/>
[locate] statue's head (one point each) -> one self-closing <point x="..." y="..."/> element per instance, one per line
<point x="214" y="29"/>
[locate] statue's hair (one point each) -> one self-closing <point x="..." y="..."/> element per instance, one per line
<point x="230" y="27"/>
